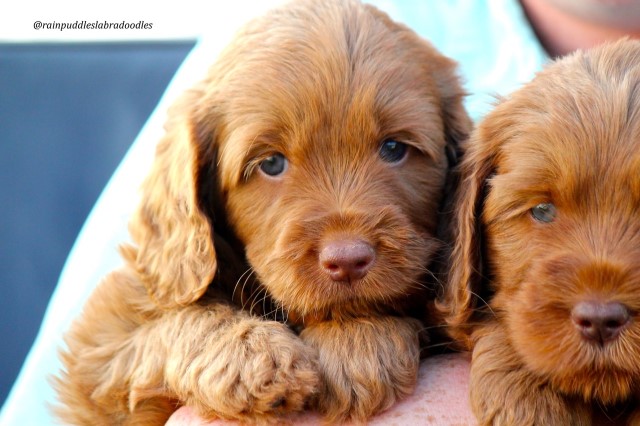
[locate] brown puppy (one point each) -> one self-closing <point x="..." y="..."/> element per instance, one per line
<point x="297" y="185"/>
<point x="548" y="223"/>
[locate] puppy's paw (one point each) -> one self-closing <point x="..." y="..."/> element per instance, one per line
<point x="259" y="371"/>
<point x="367" y="364"/>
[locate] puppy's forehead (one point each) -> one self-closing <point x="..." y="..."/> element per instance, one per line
<point x="575" y="130"/>
<point x="333" y="71"/>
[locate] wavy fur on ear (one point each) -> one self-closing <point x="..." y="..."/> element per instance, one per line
<point x="174" y="253"/>
<point x="463" y="288"/>
<point x="457" y="123"/>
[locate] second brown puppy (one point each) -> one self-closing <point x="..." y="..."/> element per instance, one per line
<point x="548" y="224"/>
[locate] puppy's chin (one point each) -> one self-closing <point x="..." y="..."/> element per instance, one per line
<point x="549" y="343"/>
<point x="295" y="279"/>
<point x="575" y="368"/>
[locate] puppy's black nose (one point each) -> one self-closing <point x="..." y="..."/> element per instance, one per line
<point x="347" y="260"/>
<point x="600" y="322"/>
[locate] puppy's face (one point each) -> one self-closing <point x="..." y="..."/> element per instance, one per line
<point x="560" y="218"/>
<point x="331" y="129"/>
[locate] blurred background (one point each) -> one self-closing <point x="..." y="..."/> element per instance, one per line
<point x="71" y="104"/>
<point x="68" y="113"/>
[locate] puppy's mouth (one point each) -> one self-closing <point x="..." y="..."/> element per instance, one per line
<point x="606" y="387"/>
<point x="589" y="348"/>
<point x="602" y="373"/>
<point x="350" y="263"/>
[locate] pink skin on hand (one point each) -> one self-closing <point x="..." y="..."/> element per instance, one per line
<point x="441" y="398"/>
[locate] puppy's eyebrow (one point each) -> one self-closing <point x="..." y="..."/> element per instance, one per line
<point x="428" y="143"/>
<point x="258" y="150"/>
<point x="426" y="140"/>
<point x="242" y="150"/>
<point x="414" y="122"/>
<point x="512" y="195"/>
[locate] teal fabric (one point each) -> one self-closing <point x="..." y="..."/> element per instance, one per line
<point x="492" y="41"/>
<point x="497" y="52"/>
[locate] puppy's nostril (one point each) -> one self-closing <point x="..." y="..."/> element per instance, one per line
<point x="346" y="260"/>
<point x="614" y="324"/>
<point x="600" y="322"/>
<point x="583" y="323"/>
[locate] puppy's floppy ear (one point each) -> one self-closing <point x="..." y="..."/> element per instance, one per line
<point x="174" y="257"/>
<point x="466" y="266"/>
<point x="457" y="127"/>
<point x="457" y="123"/>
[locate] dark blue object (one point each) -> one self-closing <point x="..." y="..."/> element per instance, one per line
<point x="68" y="114"/>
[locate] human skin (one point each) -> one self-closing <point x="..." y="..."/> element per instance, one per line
<point x="441" y="398"/>
<point x="566" y="25"/>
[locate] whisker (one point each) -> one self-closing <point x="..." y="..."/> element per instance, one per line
<point x="256" y="299"/>
<point x="285" y="315"/>
<point x="485" y="302"/>
<point x="250" y="272"/>
<point x="434" y="327"/>
<point x="264" y="301"/>
<point x="273" y="313"/>
<point x="448" y="344"/>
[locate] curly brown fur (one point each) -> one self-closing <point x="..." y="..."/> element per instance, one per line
<point x="550" y="304"/>
<point x="228" y="259"/>
<point x="356" y="381"/>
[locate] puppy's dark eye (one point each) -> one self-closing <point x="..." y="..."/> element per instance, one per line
<point x="274" y="165"/>
<point x="544" y="212"/>
<point x="393" y="151"/>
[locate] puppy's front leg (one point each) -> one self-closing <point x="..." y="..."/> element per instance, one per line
<point x="366" y="364"/>
<point x="228" y="364"/>
<point x="129" y="363"/>
<point x="504" y="392"/>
